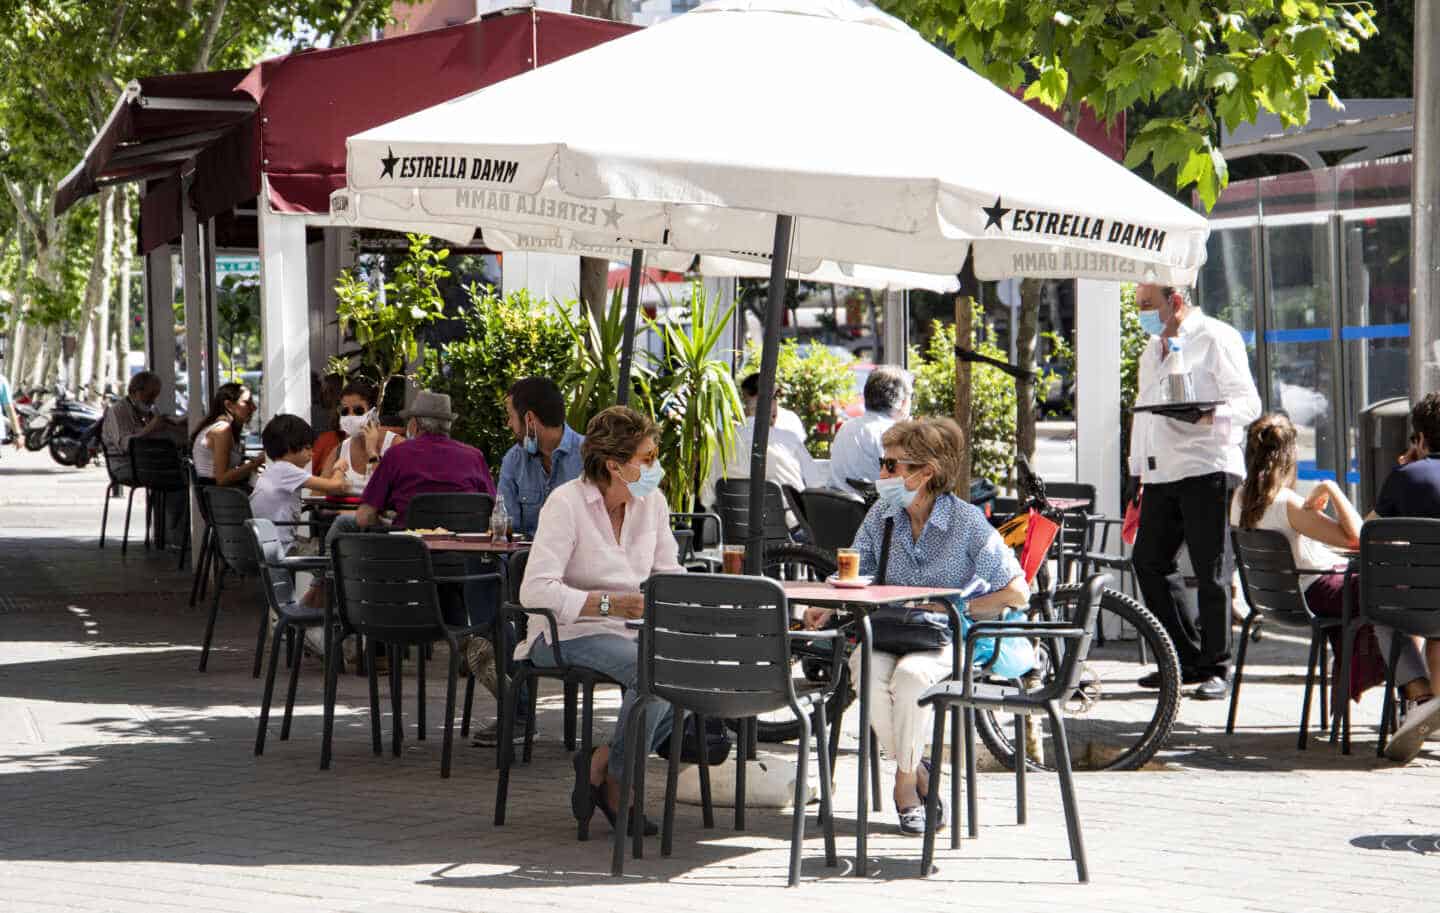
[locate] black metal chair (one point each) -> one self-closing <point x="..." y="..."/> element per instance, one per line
<point x="158" y="468"/>
<point x="1077" y="526"/>
<point x="1048" y="699"/>
<point x="834" y="517"/>
<point x="386" y="590"/>
<point x="459" y="513"/>
<point x="234" y="547"/>
<point x="113" y="484"/>
<point x="705" y="531"/>
<point x="732" y="503"/>
<point x="277" y="573"/>
<point x="1399" y="588"/>
<point x="1271" y="583"/>
<point x="715" y="645"/>
<point x="522" y="674"/>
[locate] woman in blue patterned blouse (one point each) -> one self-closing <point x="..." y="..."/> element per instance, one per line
<point x="938" y="539"/>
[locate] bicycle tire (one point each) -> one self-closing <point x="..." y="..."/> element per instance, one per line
<point x="1107" y="742"/>
<point x="799" y="561"/>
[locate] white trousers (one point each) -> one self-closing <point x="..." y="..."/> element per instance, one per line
<point x="903" y="727"/>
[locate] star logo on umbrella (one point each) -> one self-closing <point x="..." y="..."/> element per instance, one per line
<point x="387" y="164"/>
<point x="993" y="215"/>
<point x="612" y="216"/>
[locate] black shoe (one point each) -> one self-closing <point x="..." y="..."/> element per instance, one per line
<point x="1213" y="688"/>
<point x="599" y="800"/>
<point x="1186" y="678"/>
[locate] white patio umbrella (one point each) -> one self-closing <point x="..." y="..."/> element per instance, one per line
<point x="948" y="160"/>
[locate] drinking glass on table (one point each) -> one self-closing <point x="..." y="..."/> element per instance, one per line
<point x="733" y="558"/>
<point x="847" y="563"/>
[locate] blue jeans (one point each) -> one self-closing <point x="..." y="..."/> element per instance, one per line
<point x="619" y="658"/>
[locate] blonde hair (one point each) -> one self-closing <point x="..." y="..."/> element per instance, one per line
<point x="1269" y="465"/>
<point x="615" y="434"/>
<point x="934" y="442"/>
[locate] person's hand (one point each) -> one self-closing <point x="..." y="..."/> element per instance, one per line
<point x="816" y="617"/>
<point x="1132" y="489"/>
<point x="342" y="466"/>
<point x="374" y="437"/>
<point x="1206" y="419"/>
<point x="628" y="605"/>
<point x="1319" y="498"/>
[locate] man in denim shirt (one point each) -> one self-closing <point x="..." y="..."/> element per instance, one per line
<point x="546" y="455"/>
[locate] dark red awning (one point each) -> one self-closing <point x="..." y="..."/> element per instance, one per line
<point x="288" y="118"/>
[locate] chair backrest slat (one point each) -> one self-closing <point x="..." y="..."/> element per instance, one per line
<point x="279" y="585"/>
<point x="457" y="512"/>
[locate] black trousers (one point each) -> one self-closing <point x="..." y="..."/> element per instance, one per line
<point x="1193" y="511"/>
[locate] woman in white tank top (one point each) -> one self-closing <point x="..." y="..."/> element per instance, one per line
<point x="1268" y="500"/>
<point x="216" y="448"/>
<point x="364" y="441"/>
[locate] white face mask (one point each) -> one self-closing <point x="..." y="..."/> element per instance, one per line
<point x="354" y="424"/>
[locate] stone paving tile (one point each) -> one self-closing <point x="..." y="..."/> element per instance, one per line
<point x="128" y="782"/>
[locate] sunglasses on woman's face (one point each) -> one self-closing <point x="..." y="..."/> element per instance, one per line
<point x="888" y="464"/>
<point x="353" y="410"/>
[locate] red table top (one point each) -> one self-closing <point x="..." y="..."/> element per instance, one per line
<point x="823" y="594"/>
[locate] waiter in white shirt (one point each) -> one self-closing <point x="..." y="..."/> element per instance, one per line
<point x="1188" y="470"/>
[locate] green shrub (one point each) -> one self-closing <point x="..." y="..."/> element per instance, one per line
<point x="507" y="338"/>
<point x="812" y="382"/>
<point x="992" y="399"/>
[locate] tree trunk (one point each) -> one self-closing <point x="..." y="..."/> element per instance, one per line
<point x="1026" y="337"/>
<point x="15" y="353"/>
<point x="964" y="336"/>
<point x="95" y="314"/>
<point x="123" y="316"/>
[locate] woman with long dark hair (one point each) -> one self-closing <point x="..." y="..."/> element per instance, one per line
<point x="362" y="440"/>
<point x="215" y="447"/>
<point x="1268" y="500"/>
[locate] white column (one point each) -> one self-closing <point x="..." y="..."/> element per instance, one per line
<point x="284" y="313"/>
<point x="545" y="275"/>
<point x="1097" y="391"/>
<point x="897" y="328"/>
<point x="193" y="275"/>
<point x="160" y="324"/>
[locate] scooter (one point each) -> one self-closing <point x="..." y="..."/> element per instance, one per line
<point x="34" y="422"/>
<point x="73" y="432"/>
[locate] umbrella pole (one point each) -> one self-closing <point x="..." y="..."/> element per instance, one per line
<point x="627" y="347"/>
<point x="769" y="357"/>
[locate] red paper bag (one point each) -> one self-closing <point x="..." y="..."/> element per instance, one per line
<point x="1131" y="525"/>
<point x="1040" y="534"/>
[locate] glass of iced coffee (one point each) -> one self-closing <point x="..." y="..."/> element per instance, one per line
<point x="733" y="557"/>
<point x="847" y="563"/>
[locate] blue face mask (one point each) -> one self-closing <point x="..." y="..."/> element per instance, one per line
<point x="894" y="493"/>
<point x="532" y="443"/>
<point x="1151" y="323"/>
<point x="649" y="481"/>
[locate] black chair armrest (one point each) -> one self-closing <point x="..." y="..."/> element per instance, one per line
<point x="303" y="563"/>
<point x="511" y="609"/>
<point x="1061" y="629"/>
<point x="1328" y="572"/>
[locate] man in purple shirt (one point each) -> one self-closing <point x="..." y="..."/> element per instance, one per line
<point x="428" y="461"/>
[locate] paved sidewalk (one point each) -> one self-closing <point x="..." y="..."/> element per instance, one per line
<point x="128" y="782"/>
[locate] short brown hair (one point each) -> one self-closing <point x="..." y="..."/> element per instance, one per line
<point x="614" y="434"/>
<point x="1425" y="419"/>
<point x="933" y="442"/>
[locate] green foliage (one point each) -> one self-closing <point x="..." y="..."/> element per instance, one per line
<point x="992" y="397"/>
<point x="1235" y="58"/>
<point x="237" y="307"/>
<point x="595" y="375"/>
<point x="386" y="325"/>
<point x="811" y="381"/>
<point x="695" y="398"/>
<point x="506" y="338"/>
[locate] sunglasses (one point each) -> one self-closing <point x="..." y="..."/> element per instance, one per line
<point x="354" y="410"/>
<point x="887" y="464"/>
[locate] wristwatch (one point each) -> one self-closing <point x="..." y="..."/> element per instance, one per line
<point x="604" y="605"/>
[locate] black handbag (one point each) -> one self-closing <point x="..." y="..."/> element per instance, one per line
<point x="899" y="630"/>
<point x="716" y="741"/>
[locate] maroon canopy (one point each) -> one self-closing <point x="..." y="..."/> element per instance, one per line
<point x="289" y="117"/>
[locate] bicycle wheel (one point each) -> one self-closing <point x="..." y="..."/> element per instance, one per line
<point x="810" y="662"/>
<point x="1111" y="722"/>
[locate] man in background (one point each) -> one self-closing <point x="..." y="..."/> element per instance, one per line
<point x="855" y="452"/>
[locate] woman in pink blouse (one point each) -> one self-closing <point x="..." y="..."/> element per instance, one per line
<point x="599" y="537"/>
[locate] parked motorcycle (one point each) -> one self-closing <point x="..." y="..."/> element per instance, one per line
<point x="73" y="432"/>
<point x="34" y="422"/>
